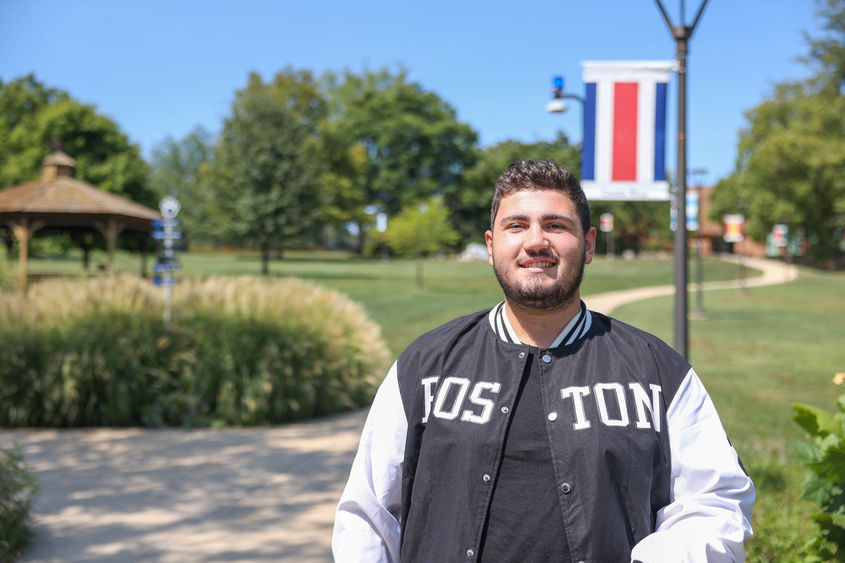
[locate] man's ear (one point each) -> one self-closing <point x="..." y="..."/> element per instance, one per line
<point x="589" y="245"/>
<point x="488" y="238"/>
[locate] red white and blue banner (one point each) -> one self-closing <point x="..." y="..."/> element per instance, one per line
<point x="624" y="153"/>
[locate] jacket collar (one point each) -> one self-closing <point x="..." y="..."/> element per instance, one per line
<point x="571" y="333"/>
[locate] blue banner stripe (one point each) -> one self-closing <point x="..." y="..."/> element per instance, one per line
<point x="588" y="150"/>
<point x="660" y="133"/>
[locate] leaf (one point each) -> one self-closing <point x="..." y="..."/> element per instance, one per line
<point x="816" y="422"/>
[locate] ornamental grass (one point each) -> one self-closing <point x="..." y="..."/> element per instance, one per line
<point x="237" y="351"/>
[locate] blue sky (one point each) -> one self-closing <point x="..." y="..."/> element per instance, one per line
<point x="161" y="67"/>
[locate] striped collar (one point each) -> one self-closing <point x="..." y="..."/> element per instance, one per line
<point x="571" y="333"/>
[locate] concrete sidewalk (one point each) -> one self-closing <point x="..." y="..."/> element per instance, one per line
<point x="258" y="494"/>
<point x="174" y="495"/>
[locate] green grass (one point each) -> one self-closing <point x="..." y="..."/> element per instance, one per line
<point x="388" y="289"/>
<point x="759" y="353"/>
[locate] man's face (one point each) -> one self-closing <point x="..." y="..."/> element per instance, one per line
<point x="538" y="249"/>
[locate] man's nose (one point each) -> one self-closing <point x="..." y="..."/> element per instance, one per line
<point x="535" y="238"/>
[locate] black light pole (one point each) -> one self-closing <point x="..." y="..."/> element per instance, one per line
<point x="699" y="268"/>
<point x="682" y="34"/>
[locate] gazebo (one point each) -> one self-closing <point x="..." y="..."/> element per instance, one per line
<point x="58" y="200"/>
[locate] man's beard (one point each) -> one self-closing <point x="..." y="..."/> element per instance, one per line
<point x="533" y="295"/>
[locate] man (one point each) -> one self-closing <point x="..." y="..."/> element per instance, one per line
<point x="539" y="430"/>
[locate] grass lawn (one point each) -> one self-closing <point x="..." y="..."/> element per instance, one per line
<point x="759" y="353"/>
<point x="388" y="289"/>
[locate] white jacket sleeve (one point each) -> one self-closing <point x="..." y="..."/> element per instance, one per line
<point x="708" y="517"/>
<point x="366" y="526"/>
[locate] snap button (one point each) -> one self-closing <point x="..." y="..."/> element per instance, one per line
<point x="522" y="354"/>
<point x="547" y="358"/>
<point x="470" y="553"/>
<point x="505" y="410"/>
<point x="552" y="416"/>
<point x="565" y="488"/>
<point x="486" y="478"/>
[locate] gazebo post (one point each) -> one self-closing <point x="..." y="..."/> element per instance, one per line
<point x="110" y="229"/>
<point x="21" y="231"/>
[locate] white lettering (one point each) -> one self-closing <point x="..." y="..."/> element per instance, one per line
<point x="428" y="383"/>
<point x="443" y="394"/>
<point x="619" y="391"/>
<point x="577" y="394"/>
<point x="486" y="404"/>
<point x="641" y="401"/>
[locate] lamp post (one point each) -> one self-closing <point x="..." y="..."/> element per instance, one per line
<point x="698" y="174"/>
<point x="682" y="34"/>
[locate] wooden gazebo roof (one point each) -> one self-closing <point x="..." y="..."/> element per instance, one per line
<point x="59" y="200"/>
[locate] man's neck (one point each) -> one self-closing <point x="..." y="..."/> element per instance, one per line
<point x="541" y="327"/>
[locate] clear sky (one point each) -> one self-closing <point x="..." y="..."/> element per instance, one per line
<point x="161" y="67"/>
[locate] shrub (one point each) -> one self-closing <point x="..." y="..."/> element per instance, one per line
<point x="17" y="489"/>
<point x="237" y="351"/>
<point x="825" y="485"/>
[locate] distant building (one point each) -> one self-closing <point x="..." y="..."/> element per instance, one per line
<point x="713" y="232"/>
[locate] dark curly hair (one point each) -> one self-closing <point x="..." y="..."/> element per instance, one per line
<point x="541" y="175"/>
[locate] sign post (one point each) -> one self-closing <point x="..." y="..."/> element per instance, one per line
<point x="734" y="233"/>
<point x="167" y="263"/>
<point x="606" y="226"/>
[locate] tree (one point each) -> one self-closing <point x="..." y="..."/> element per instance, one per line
<point x="791" y="157"/>
<point x="415" y="146"/>
<point x="267" y="168"/>
<point x="180" y="167"/>
<point x="34" y="116"/>
<point x="420" y="230"/>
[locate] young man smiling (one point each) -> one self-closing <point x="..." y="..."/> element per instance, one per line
<point x="538" y="430"/>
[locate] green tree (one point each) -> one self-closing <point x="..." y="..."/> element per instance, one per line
<point x="791" y="157"/>
<point x="415" y="146"/>
<point x="419" y="230"/>
<point x="180" y="167"/>
<point x="267" y="169"/>
<point x="34" y="116"/>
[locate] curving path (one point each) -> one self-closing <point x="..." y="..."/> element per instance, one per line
<point x="179" y="495"/>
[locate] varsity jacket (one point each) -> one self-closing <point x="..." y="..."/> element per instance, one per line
<point x="643" y="468"/>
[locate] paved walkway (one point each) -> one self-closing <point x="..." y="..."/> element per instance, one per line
<point x="260" y="494"/>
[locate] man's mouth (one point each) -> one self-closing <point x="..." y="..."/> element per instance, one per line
<point x="539" y="264"/>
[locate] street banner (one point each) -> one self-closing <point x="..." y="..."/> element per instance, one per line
<point x="734" y="228"/>
<point x="780" y="236"/>
<point x="624" y="152"/>
<point x="606" y="222"/>
<point x="692" y="210"/>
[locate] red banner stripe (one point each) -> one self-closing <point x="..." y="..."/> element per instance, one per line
<point x="625" y="131"/>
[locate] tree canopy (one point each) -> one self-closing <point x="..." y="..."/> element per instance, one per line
<point x="34" y="116"/>
<point x="411" y="144"/>
<point x="180" y="168"/>
<point x="266" y="169"/>
<point x="420" y="230"/>
<point x="790" y="167"/>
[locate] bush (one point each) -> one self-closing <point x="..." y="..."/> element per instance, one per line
<point x="238" y="351"/>
<point x="825" y="485"/>
<point x="17" y="488"/>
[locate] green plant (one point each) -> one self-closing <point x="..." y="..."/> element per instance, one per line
<point x="17" y="489"/>
<point x="825" y="486"/>
<point x="240" y="351"/>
